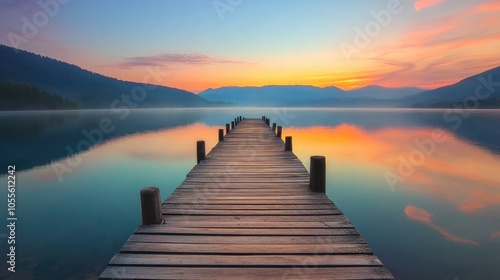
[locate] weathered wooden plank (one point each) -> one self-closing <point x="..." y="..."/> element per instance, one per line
<point x="180" y="206"/>
<point x="167" y="229"/>
<point x="276" y="172"/>
<point x="301" y="218"/>
<point x="235" y="239"/>
<point x="273" y="177"/>
<point x="255" y="249"/>
<point x="270" y="180"/>
<point x="246" y="186"/>
<point x="250" y="212"/>
<point x="246" y="273"/>
<point x="259" y="191"/>
<point x="262" y="197"/>
<point x="202" y="199"/>
<point x="342" y="222"/>
<point x="215" y="260"/>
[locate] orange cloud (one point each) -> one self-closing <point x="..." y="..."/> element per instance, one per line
<point x="418" y="214"/>
<point x="425" y="217"/>
<point x="442" y="49"/>
<point x="495" y="234"/>
<point x="422" y="4"/>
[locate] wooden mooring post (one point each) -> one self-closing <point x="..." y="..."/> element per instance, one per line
<point x="221" y="135"/>
<point x="151" y="206"/>
<point x="288" y="144"/>
<point x="200" y="151"/>
<point x="317" y="181"/>
<point x="279" y="132"/>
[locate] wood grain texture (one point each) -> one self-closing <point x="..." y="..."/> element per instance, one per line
<point x="246" y="212"/>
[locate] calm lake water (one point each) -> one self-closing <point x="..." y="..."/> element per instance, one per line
<point x="421" y="186"/>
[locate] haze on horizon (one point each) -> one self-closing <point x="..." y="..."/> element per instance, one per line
<point x="215" y="43"/>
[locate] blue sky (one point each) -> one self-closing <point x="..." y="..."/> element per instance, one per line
<point x="207" y="43"/>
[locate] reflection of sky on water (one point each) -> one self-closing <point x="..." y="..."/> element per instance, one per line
<point x="448" y="205"/>
<point x="453" y="170"/>
<point x="94" y="209"/>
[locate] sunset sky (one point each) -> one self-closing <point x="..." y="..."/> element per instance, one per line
<point x="207" y="44"/>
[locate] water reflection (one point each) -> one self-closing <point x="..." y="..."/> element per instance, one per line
<point x="425" y="217"/>
<point x="36" y="138"/>
<point x="92" y="210"/>
<point x="448" y="204"/>
<point x="452" y="170"/>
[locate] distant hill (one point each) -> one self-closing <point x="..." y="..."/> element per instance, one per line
<point x="269" y="95"/>
<point x="25" y="97"/>
<point x="371" y="96"/>
<point x="378" y="92"/>
<point x="488" y="95"/>
<point x="298" y="96"/>
<point x="85" y="88"/>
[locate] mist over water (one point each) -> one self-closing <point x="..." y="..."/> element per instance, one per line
<point x="427" y="205"/>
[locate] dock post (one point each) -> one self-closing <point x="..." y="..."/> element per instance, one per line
<point x="200" y="151"/>
<point x="264" y="118"/>
<point x="268" y="121"/>
<point x="235" y="121"/>
<point x="274" y="128"/>
<point x="317" y="178"/>
<point x="151" y="206"/>
<point x="228" y="128"/>
<point x="232" y="125"/>
<point x="288" y="143"/>
<point x="280" y="130"/>
<point x="221" y="135"/>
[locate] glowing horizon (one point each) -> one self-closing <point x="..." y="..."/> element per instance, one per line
<point x="211" y="44"/>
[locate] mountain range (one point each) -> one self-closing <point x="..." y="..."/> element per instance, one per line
<point x="85" y="89"/>
<point x="483" y="89"/>
<point x="449" y="96"/>
<point x="299" y="95"/>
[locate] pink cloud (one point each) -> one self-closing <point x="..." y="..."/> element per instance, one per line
<point x="488" y="7"/>
<point x="425" y="217"/>
<point x="495" y="234"/>
<point x="422" y="4"/>
<point x="443" y="49"/>
<point x="172" y="58"/>
<point x="418" y="214"/>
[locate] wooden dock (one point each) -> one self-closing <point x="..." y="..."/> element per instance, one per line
<point x="247" y="212"/>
